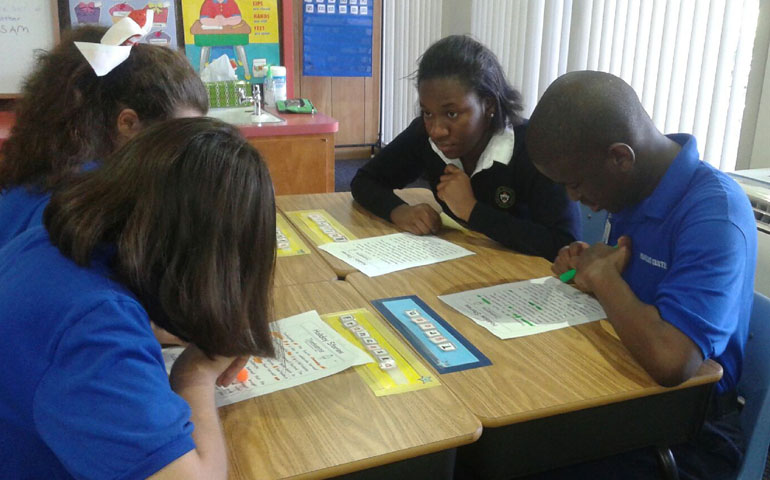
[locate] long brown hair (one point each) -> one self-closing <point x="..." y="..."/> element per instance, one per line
<point x="190" y="206"/>
<point x="67" y="115"/>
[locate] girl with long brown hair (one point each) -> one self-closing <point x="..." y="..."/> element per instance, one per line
<point x="177" y="226"/>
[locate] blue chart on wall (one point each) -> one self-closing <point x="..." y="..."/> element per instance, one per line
<point x="337" y="38"/>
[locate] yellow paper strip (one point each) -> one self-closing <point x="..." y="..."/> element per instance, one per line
<point x="396" y="368"/>
<point x="288" y="242"/>
<point x="320" y="226"/>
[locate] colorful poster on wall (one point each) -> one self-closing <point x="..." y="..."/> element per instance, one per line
<point x="337" y="38"/>
<point x="244" y="30"/>
<point x="111" y="11"/>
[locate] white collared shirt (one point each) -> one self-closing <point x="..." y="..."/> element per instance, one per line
<point x="499" y="149"/>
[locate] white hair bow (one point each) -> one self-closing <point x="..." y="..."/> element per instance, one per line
<point x="115" y="46"/>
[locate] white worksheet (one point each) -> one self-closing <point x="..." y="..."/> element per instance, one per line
<point x="398" y="251"/>
<point x="307" y="349"/>
<point x="524" y="308"/>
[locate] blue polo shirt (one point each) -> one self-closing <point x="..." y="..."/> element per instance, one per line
<point x="83" y="388"/>
<point x="20" y="209"/>
<point x="693" y="254"/>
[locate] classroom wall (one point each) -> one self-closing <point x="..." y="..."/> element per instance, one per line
<point x="760" y="153"/>
<point x="754" y="147"/>
<point x="353" y="101"/>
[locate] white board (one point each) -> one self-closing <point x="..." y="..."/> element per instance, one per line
<point x="25" y="26"/>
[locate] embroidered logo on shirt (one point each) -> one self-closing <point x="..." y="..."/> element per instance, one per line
<point x="504" y="197"/>
<point x="654" y="262"/>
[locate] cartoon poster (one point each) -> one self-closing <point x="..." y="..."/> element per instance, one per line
<point x="107" y="12"/>
<point x="244" y="30"/>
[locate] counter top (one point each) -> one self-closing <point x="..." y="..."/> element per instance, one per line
<point x="294" y="124"/>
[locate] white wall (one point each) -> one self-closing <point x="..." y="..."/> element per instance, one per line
<point x="754" y="148"/>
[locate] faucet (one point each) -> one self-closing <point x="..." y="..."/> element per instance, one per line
<point x="242" y="98"/>
<point x="255" y="98"/>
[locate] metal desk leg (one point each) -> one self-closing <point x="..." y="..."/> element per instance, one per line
<point x="667" y="463"/>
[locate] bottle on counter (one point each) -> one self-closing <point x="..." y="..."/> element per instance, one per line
<point x="275" y="84"/>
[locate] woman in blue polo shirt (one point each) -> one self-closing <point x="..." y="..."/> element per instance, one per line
<point x="177" y="226"/>
<point x="468" y="144"/>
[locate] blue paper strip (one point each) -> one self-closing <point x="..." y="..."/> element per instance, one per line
<point x="430" y="335"/>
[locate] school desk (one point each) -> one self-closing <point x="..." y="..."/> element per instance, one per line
<point x="562" y="396"/>
<point x="303" y="268"/>
<point x="554" y="398"/>
<point x="336" y="425"/>
<point x="299" y="269"/>
<point x="362" y="224"/>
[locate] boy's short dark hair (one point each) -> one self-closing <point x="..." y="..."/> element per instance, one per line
<point x="189" y="205"/>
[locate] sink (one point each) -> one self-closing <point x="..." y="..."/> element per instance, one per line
<point x="243" y="116"/>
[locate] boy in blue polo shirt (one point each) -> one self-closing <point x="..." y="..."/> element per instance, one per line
<point x="678" y="289"/>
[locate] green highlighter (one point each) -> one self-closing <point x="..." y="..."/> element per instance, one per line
<point x="567" y="276"/>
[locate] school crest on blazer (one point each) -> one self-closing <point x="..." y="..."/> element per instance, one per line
<point x="504" y="196"/>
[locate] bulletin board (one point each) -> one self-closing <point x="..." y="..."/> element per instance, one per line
<point x="25" y="26"/>
<point x="337" y="38"/>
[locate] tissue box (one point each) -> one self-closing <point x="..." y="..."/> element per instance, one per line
<point x="225" y="94"/>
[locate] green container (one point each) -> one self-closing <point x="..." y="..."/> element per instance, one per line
<point x="225" y="94"/>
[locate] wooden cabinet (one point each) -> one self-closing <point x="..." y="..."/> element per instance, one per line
<point x="299" y="163"/>
<point x="298" y="151"/>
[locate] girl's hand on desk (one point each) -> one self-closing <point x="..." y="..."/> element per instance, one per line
<point x="420" y="219"/>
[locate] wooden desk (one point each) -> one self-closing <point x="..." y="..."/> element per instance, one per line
<point x="363" y="224"/>
<point x="559" y="397"/>
<point x="336" y="425"/>
<point x="577" y="387"/>
<point x="298" y="269"/>
<point x="301" y="269"/>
